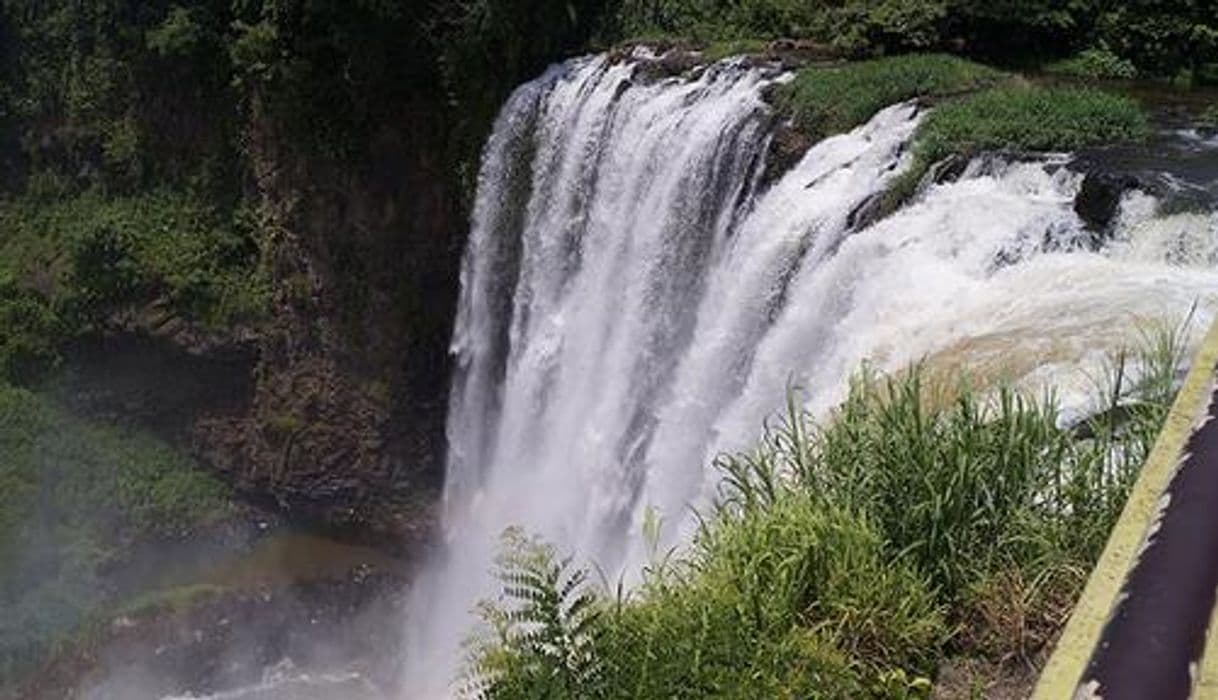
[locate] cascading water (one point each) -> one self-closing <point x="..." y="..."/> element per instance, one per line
<point x="634" y="300"/>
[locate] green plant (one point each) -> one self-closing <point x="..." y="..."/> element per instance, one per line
<point x="86" y="257"/>
<point x="1095" y="63"/>
<point x="1019" y="118"/>
<point x="30" y="332"/>
<point x="543" y="642"/>
<point x="824" y="101"/>
<point x="1026" y="118"/>
<point x="1160" y="38"/>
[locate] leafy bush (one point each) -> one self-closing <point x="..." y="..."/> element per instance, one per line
<point x="786" y="600"/>
<point x="30" y="332"/>
<point x="80" y="259"/>
<point x="1163" y="37"/>
<point x="857" y="27"/>
<point x="1096" y="63"/>
<point x="824" y="101"/>
<point x="842" y="557"/>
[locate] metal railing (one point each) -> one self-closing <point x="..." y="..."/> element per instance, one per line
<point x="1143" y="627"/>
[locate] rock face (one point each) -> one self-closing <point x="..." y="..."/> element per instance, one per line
<point x="346" y="423"/>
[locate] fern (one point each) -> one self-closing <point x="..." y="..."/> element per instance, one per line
<point x="543" y="630"/>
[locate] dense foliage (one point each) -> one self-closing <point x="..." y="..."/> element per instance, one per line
<point x="71" y="493"/>
<point x="68" y="265"/>
<point x="1096" y="63"/>
<point x="1158" y="37"/>
<point x="975" y="108"/>
<point x="140" y="102"/>
<point x="848" y="558"/>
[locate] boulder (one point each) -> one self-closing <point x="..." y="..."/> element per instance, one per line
<point x="1099" y="199"/>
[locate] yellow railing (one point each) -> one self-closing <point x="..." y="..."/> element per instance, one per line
<point x="1065" y="669"/>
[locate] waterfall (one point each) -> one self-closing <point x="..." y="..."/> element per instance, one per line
<point x="635" y="299"/>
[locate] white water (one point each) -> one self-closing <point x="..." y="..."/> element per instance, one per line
<point x="630" y="306"/>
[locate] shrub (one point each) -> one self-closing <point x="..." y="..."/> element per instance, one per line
<point x="824" y="101"/>
<point x="1096" y="63"/>
<point x="1157" y="38"/>
<point x="855" y="27"/>
<point x="80" y="259"/>
<point x="789" y="600"/>
<point x="30" y="332"/>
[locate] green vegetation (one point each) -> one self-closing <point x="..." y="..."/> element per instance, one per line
<point x="1098" y="63"/>
<point x="733" y="47"/>
<point x="1157" y="38"/>
<point x="824" y="101"/>
<point x="143" y="114"/>
<point x="69" y="264"/>
<point x="849" y="558"/>
<point x="977" y="108"/>
<point x="856" y="26"/>
<point x="29" y="343"/>
<point x="70" y="494"/>
<point x="121" y="179"/>
<point x="1019" y="118"/>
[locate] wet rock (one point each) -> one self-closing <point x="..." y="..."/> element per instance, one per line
<point x="793" y="53"/>
<point x="947" y="170"/>
<point x="787" y="147"/>
<point x="1179" y="167"/>
<point x="668" y="65"/>
<point x="868" y="212"/>
<point x="1099" y="199"/>
<point x="317" y="445"/>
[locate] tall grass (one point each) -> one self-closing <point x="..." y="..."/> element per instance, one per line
<point x="849" y="557"/>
